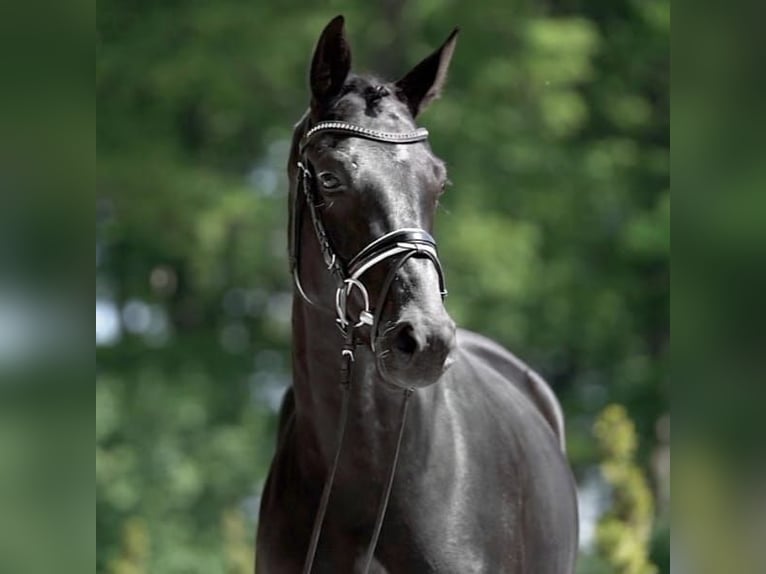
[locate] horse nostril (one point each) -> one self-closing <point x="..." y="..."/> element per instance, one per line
<point x="405" y="341"/>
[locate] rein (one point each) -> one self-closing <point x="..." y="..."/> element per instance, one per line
<point x="399" y="245"/>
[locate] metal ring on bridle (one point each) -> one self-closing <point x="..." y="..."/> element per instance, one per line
<point x="341" y="302"/>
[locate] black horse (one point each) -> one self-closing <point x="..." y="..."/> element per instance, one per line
<point x="482" y="483"/>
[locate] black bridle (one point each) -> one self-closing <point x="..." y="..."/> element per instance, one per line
<point x="399" y="245"/>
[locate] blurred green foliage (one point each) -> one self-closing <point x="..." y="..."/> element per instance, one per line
<point x="719" y="515"/>
<point x="623" y="533"/>
<point x="554" y="126"/>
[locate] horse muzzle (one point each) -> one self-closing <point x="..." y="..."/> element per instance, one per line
<point x="416" y="350"/>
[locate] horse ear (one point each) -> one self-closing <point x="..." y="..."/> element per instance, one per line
<point x="331" y="63"/>
<point x="424" y="82"/>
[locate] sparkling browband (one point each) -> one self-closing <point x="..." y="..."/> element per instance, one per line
<point x="418" y="135"/>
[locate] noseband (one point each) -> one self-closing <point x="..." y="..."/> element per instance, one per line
<point x="399" y="246"/>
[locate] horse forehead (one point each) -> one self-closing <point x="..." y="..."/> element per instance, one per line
<point x="387" y="114"/>
<point x="384" y="156"/>
<point x="391" y="159"/>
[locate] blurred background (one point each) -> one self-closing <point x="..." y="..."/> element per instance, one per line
<point x="554" y="236"/>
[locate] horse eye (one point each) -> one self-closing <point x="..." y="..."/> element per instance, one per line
<point x="329" y="181"/>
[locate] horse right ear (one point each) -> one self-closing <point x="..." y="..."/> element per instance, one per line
<point x="330" y="65"/>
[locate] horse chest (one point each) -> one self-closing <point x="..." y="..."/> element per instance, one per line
<point x="439" y="519"/>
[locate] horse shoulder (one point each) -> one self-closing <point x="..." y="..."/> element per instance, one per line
<point x="526" y="380"/>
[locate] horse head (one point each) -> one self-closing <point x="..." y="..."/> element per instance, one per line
<point x="372" y="192"/>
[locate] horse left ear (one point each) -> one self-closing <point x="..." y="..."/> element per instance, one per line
<point x="424" y="82"/>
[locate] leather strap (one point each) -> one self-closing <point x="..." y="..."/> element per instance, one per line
<point x="415" y="241"/>
<point x="345" y="386"/>
<point x="389" y="483"/>
<point x="418" y="135"/>
<point x="410" y="235"/>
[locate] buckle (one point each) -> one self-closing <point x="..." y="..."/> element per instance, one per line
<point x="366" y="318"/>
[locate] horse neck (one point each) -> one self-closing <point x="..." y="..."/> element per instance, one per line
<point x="317" y="346"/>
<point x="374" y="409"/>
